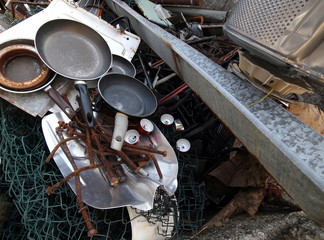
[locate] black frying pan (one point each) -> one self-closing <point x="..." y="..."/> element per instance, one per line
<point x="127" y="95"/>
<point x="122" y="66"/>
<point x="75" y="51"/>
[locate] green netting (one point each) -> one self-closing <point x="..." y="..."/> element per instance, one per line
<point x="25" y="175"/>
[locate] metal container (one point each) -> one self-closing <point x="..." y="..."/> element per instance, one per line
<point x="288" y="34"/>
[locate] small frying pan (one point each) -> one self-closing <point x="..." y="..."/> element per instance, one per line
<point x="119" y="65"/>
<point x="75" y="51"/>
<point x="122" y="66"/>
<point x="129" y="96"/>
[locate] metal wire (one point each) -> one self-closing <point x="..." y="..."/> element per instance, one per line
<point x="25" y="175"/>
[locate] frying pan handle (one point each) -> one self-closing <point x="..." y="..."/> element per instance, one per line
<point x="59" y="100"/>
<point x="81" y="86"/>
<point x="98" y="104"/>
<point x="116" y="20"/>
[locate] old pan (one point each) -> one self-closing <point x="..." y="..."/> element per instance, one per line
<point x="75" y="51"/>
<point x="129" y="97"/>
<point x="119" y="65"/>
<point x="122" y="66"/>
<point x="22" y="71"/>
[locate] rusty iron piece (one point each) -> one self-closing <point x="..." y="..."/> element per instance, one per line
<point x="113" y="178"/>
<point x="10" y="54"/>
<point x="97" y="141"/>
<point x="83" y="209"/>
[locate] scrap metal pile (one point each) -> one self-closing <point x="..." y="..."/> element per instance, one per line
<point x="131" y="160"/>
<point x="97" y="141"/>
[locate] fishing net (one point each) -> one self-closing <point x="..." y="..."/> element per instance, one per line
<point x="34" y="215"/>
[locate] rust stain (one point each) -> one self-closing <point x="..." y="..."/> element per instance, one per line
<point x="9" y="53"/>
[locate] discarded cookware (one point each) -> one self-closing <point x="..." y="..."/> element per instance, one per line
<point x="127" y="95"/>
<point x="119" y="65"/>
<point x="122" y="66"/>
<point x="21" y="68"/>
<point x="77" y="52"/>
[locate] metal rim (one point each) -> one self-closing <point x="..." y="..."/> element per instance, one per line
<point x="17" y="50"/>
<point x="51" y="79"/>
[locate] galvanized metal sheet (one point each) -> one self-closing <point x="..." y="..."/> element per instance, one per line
<point x="290" y="150"/>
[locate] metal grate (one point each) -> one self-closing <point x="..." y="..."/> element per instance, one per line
<point x="266" y="20"/>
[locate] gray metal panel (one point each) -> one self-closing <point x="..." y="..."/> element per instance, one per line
<point x="291" y="151"/>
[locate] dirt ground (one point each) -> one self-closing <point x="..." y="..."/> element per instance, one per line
<point x="266" y="225"/>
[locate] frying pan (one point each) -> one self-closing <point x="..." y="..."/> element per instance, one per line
<point x="128" y="96"/>
<point x="53" y="94"/>
<point x="122" y="65"/>
<point x="75" y="51"/>
<point x="118" y="65"/>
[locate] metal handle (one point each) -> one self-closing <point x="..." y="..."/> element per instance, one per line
<point x="120" y="18"/>
<point x="86" y="105"/>
<point x="98" y="104"/>
<point x="144" y="67"/>
<point x="59" y="100"/>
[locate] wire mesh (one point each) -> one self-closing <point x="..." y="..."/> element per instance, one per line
<point x="190" y="195"/>
<point x="25" y="175"/>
